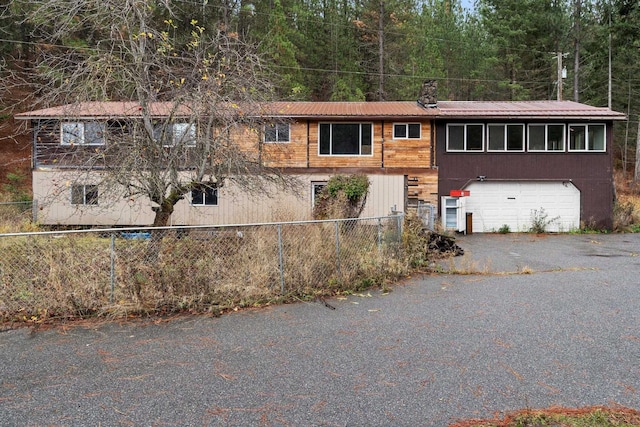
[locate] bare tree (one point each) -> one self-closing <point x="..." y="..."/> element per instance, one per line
<point x="197" y="92"/>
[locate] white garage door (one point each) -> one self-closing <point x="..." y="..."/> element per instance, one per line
<point x="516" y="204"/>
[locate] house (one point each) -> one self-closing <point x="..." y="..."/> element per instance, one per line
<point x="496" y="161"/>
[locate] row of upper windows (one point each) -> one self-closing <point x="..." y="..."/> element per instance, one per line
<point x="93" y="133"/>
<point x="536" y="137"/>
<point x="348" y="134"/>
<point x="356" y="139"/>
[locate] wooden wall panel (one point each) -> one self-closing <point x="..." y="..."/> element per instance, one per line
<point x="407" y="153"/>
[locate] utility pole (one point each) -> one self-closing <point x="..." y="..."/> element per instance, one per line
<point x="576" y="49"/>
<point x="562" y="73"/>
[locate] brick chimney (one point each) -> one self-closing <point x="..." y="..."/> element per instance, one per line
<point x="428" y="97"/>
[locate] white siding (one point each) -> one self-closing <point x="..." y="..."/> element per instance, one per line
<point x="52" y="191"/>
<point x="495" y="204"/>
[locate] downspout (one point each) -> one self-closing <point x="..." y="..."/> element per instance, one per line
<point x="432" y="149"/>
<point x="308" y="141"/>
<point x="382" y="146"/>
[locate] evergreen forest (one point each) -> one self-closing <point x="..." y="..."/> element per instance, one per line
<point x="360" y="50"/>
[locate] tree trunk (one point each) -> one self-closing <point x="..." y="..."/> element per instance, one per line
<point x="636" y="172"/>
<point x="576" y="50"/>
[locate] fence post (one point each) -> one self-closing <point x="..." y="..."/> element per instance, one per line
<point x="379" y="234"/>
<point x="34" y="211"/>
<point x="113" y="265"/>
<point x="281" y="259"/>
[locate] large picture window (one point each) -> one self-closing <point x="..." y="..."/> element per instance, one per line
<point x="84" y="194"/>
<point x="502" y="137"/>
<point x="276" y="132"/>
<point x="587" y="137"/>
<point x="346" y="139"/>
<point x="82" y="133"/>
<point x="465" y="137"/>
<point x="546" y="137"/>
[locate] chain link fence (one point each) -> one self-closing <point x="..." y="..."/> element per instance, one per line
<point x="15" y="215"/>
<point x="116" y="271"/>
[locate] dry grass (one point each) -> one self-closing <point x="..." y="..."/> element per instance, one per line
<point x="77" y="275"/>
<point x="597" y="416"/>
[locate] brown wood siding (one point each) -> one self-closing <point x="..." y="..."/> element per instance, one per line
<point x="290" y="154"/>
<point x="591" y="173"/>
<point x="407" y="153"/>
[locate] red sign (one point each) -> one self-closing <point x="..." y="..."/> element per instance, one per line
<point x="459" y="193"/>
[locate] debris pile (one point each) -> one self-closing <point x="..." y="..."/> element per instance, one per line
<point x="443" y="244"/>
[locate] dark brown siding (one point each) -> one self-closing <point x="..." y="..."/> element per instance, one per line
<point x="591" y="173"/>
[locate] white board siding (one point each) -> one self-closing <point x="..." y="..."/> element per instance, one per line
<point x="512" y="203"/>
<point x="52" y="191"/>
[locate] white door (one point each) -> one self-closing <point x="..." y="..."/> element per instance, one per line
<point x="517" y="204"/>
<point x="453" y="213"/>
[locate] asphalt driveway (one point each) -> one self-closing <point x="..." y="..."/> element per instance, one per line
<point x="563" y="328"/>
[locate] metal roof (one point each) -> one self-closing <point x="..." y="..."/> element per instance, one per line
<point x="348" y="110"/>
<point x="525" y="110"/>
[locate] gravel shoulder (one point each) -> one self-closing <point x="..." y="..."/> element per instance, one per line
<point x="437" y="348"/>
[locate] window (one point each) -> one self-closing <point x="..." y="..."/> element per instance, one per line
<point x="586" y="138"/>
<point x="84" y="194"/>
<point x="351" y="139"/>
<point x="184" y="134"/>
<point x="175" y="134"/>
<point x="406" y="130"/>
<point x="546" y="137"/>
<point x="82" y="133"/>
<point x="316" y="189"/>
<point x="276" y="132"/>
<point x="205" y="195"/>
<point x="505" y="137"/>
<point x="465" y="137"/>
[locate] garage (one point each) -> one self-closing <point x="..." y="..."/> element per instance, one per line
<point x="516" y="203"/>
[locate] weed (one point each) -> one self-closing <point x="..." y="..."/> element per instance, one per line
<point x="540" y="221"/>
<point x="505" y="229"/>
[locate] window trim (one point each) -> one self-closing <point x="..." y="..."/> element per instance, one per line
<point x="277" y="130"/>
<point x="203" y="189"/>
<point x="82" y="127"/>
<point x="586" y="149"/>
<point x="319" y="185"/>
<point x="546" y="138"/>
<point x="464" y="142"/>
<point x="406" y="126"/>
<point x="331" y="124"/>
<point x="85" y="200"/>
<point x="505" y="145"/>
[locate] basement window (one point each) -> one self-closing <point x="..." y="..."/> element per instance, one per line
<point x="205" y="195"/>
<point x="84" y="195"/>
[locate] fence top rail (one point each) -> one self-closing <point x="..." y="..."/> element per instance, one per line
<point x="196" y="227"/>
